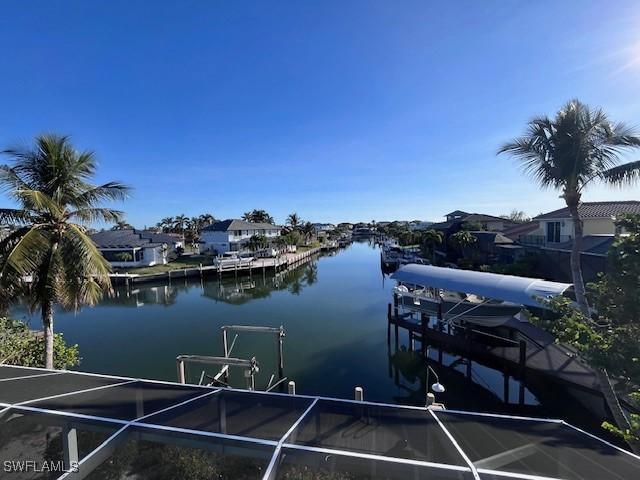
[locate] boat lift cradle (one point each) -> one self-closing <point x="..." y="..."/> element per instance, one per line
<point x="250" y="366"/>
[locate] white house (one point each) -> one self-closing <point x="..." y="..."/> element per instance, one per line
<point x="233" y="235"/>
<point x="555" y="228"/>
<point x="134" y="248"/>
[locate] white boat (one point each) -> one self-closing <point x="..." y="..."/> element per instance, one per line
<point x="487" y="299"/>
<point x="394" y="255"/>
<point x="233" y="260"/>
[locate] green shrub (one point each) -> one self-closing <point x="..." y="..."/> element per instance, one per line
<point x="21" y="346"/>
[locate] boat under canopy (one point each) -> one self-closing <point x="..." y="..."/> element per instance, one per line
<point x="532" y="292"/>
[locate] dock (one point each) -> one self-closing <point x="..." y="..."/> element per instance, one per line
<point x="526" y="352"/>
<point x="259" y="265"/>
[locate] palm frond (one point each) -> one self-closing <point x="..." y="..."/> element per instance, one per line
<point x="109" y="191"/>
<point x="39" y="201"/>
<point x="15" y="215"/>
<point x="25" y="256"/>
<point x="104" y="215"/>
<point x="626" y="174"/>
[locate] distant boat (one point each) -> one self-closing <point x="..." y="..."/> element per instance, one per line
<point x="393" y="255"/>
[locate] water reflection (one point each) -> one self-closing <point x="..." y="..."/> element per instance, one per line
<point x="234" y="291"/>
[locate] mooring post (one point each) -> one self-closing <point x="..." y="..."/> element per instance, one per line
<point x="395" y="304"/>
<point x="388" y="324"/>
<point x="280" y="336"/>
<point x="359" y="394"/>
<point x="292" y="387"/>
<point x="181" y="374"/>
<point x="225" y="346"/>
<point x="468" y="339"/>
<point x="523" y="369"/>
<point x="423" y="325"/>
<point x="505" y="376"/>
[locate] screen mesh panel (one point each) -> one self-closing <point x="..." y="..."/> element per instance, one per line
<point x="34" y="387"/>
<point x="39" y="438"/>
<point x="378" y="430"/>
<point x="298" y="464"/>
<point x="548" y="449"/>
<point x="117" y="429"/>
<point x="124" y="402"/>
<point x="237" y="413"/>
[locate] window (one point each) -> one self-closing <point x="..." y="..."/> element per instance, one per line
<point x="553" y="232"/>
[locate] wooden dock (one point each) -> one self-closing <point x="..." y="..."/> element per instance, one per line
<point x="526" y="353"/>
<point x="259" y="265"/>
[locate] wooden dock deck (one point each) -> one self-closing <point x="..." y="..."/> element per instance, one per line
<point x="259" y="265"/>
<point x="533" y="355"/>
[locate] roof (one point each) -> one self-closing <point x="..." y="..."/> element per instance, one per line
<point x="520" y="290"/>
<point x="491" y="237"/>
<point x="515" y="231"/>
<point x="456" y="213"/>
<point x="592" y="244"/>
<point x="595" y="210"/>
<point x="130" y="238"/>
<point x="155" y="425"/>
<point x="235" y="224"/>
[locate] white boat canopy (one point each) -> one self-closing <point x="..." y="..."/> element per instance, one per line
<point x="520" y="290"/>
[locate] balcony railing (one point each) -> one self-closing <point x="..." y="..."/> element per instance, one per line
<point x="541" y="240"/>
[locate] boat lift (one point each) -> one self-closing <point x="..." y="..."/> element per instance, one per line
<point x="250" y="366"/>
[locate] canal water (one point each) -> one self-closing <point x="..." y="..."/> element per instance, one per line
<point x="334" y="312"/>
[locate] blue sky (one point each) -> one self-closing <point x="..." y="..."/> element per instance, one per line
<point x="339" y="110"/>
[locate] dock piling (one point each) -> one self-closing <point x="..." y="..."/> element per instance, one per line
<point x="359" y="394"/>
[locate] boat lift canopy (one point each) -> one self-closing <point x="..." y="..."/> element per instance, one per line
<point x="521" y="290"/>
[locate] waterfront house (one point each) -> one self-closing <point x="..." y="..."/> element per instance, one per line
<point x="233" y="235"/>
<point x="598" y="218"/>
<point x="551" y="235"/>
<point x="135" y="248"/>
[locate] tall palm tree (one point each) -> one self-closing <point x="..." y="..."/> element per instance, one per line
<point x="257" y="216"/>
<point x="576" y="148"/>
<point x="50" y="182"/>
<point x="308" y="230"/>
<point x="167" y="224"/>
<point x="293" y="221"/>
<point x="180" y="224"/>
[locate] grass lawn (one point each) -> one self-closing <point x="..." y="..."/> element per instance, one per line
<point x="186" y="261"/>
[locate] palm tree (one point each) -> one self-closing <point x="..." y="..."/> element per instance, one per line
<point x="180" y="223"/>
<point x="167" y="224"/>
<point x="431" y="239"/>
<point x="122" y="225"/>
<point x="50" y="181"/>
<point x="462" y="240"/>
<point x="308" y="230"/>
<point x="257" y="242"/>
<point x="257" y="216"/>
<point x="293" y="221"/>
<point x="576" y="148"/>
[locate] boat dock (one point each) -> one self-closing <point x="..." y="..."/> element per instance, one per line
<point x="260" y="265"/>
<point x="525" y="352"/>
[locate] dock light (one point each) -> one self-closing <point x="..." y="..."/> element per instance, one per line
<point x="437" y="387"/>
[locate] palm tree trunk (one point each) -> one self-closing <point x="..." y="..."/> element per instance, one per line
<point x="47" y="323"/>
<point x="576" y="267"/>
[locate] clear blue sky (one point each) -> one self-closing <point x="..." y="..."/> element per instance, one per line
<point x="339" y="110"/>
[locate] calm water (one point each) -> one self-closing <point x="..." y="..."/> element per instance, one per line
<point x="334" y="314"/>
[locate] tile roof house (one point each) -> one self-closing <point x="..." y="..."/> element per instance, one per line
<point x="233" y="235"/>
<point x="134" y="248"/>
<point x="556" y="227"/>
